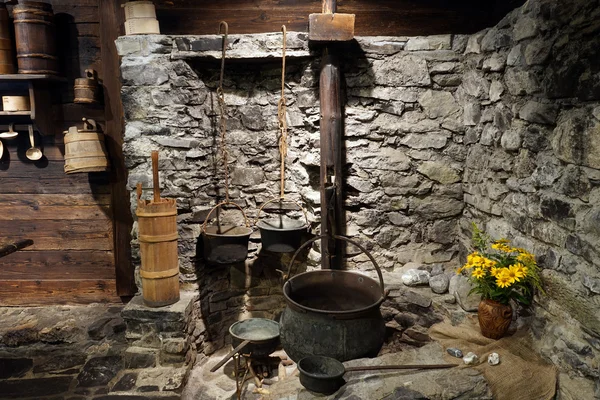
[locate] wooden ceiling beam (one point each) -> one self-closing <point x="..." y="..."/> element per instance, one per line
<point x="373" y="17"/>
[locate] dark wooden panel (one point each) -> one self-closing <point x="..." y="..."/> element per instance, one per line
<point x="60" y="234"/>
<point x="48" y="265"/>
<point x="84" y="199"/>
<point x="41" y="185"/>
<point x="111" y="23"/>
<point x="40" y="293"/>
<point x="382" y="17"/>
<point x="91" y="213"/>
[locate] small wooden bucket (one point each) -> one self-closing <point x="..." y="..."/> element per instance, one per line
<point x="85" y="150"/>
<point x="157" y="227"/>
<point x="86" y="89"/>
<point x="7" y="65"/>
<point x="35" y="35"/>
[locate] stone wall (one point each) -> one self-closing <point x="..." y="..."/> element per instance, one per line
<point x="404" y="155"/>
<point x="500" y="128"/>
<point x="531" y="95"/>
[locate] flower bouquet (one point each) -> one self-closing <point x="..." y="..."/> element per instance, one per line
<point x="500" y="273"/>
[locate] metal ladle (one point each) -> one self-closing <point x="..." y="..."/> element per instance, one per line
<point x="10" y="134"/>
<point x="33" y="153"/>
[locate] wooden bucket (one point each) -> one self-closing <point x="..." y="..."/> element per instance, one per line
<point x="86" y="89"/>
<point x="35" y="35"/>
<point x="85" y="152"/>
<point x="157" y="227"/>
<point x="7" y="65"/>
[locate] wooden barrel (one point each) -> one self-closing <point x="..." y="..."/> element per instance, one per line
<point x="157" y="233"/>
<point x="35" y="35"/>
<point x="7" y="65"/>
<point x="85" y="152"/>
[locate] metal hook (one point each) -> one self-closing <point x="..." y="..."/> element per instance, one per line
<point x="223" y="23"/>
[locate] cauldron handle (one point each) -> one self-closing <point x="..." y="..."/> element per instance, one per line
<point x="311" y="241"/>
<point x="282" y="200"/>
<point x="222" y="204"/>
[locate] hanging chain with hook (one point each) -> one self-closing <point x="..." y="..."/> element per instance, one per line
<point x="221" y="100"/>
<point x="281" y="116"/>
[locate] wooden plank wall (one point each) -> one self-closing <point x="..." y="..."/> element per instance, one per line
<point x="373" y="17"/>
<point x="69" y="217"/>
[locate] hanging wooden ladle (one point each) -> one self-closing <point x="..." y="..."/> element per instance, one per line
<point x="10" y="134"/>
<point x="33" y="153"/>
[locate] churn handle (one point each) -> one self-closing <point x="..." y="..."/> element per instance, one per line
<point x="90" y="73"/>
<point x="282" y="200"/>
<point x="379" y="274"/>
<point x="222" y="204"/>
<point x="139" y="191"/>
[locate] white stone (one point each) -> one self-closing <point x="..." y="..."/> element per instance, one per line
<point x="496" y="90"/>
<point x="438" y="103"/>
<point x="439" y="283"/>
<point x="494" y="359"/>
<point x="415" y="277"/>
<point x="471" y="358"/>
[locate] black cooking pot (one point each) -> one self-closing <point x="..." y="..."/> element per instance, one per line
<point x="261" y="333"/>
<point x="333" y="313"/>
<point x="281" y="234"/>
<point x="255" y="337"/>
<point x="325" y="375"/>
<point x="226" y="244"/>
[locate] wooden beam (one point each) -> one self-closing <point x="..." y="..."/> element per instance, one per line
<point x="111" y="27"/>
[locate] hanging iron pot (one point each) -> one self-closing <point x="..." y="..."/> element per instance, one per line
<point x="226" y="244"/>
<point x="332" y="313"/>
<point x="281" y="234"/>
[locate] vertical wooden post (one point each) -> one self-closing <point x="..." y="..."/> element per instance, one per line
<point x="331" y="151"/>
<point x="111" y="22"/>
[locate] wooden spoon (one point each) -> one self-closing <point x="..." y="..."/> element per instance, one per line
<point x="10" y="134"/>
<point x="33" y="153"/>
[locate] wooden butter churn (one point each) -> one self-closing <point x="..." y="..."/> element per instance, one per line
<point x="157" y="234"/>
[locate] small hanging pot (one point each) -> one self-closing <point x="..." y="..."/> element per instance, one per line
<point x="226" y="244"/>
<point x="281" y="234"/>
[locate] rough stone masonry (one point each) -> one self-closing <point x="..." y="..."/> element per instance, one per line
<point x="501" y="128"/>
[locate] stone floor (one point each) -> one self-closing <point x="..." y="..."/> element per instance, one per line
<point x="73" y="353"/>
<point x="455" y="383"/>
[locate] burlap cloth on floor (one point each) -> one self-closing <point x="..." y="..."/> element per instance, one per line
<point x="521" y="374"/>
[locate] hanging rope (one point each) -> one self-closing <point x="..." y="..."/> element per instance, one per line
<point x="223" y="122"/>
<point x="281" y="115"/>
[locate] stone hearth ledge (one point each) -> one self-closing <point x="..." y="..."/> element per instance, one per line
<point x="247" y="46"/>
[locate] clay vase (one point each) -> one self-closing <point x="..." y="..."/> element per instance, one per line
<point x="494" y="318"/>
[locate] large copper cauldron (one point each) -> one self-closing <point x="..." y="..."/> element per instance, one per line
<point x="332" y="313"/>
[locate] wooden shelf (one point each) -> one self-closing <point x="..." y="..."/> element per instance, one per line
<point x="32" y="77"/>
<point x="39" y="88"/>
<point x="16" y="113"/>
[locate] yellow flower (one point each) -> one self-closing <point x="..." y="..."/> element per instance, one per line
<point x="478" y="273"/>
<point x="520" y="271"/>
<point x="514" y="273"/>
<point x="503" y="280"/>
<point x="495" y="271"/>
<point x="526" y="258"/>
<point x="506" y="272"/>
